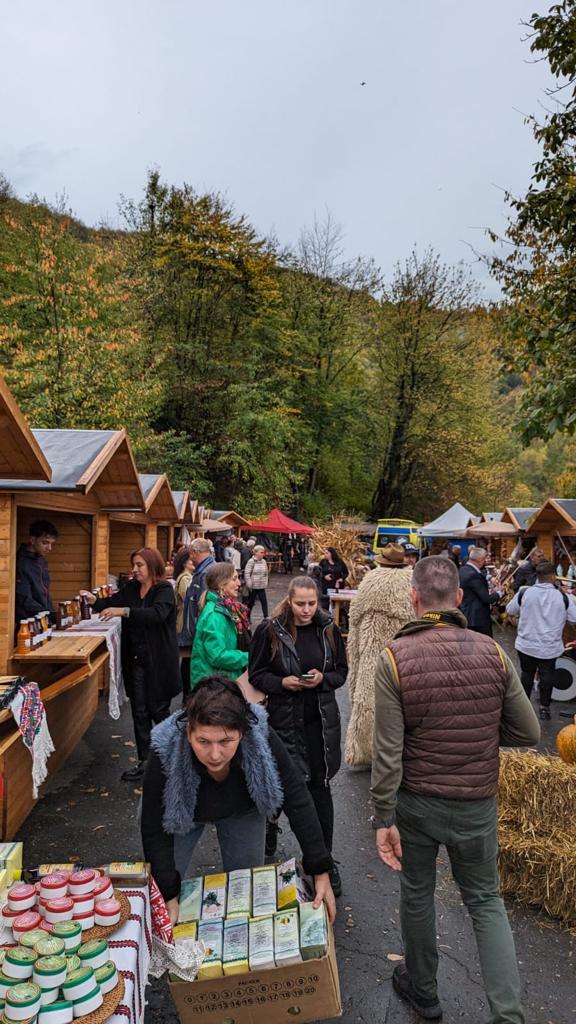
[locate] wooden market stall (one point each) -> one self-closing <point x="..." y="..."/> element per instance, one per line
<point x="233" y="519"/>
<point x="520" y="518"/>
<point x="554" y="528"/>
<point x="92" y="474"/>
<point x="161" y="512"/>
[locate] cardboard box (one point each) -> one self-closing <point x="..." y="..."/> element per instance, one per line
<point x="309" y="991"/>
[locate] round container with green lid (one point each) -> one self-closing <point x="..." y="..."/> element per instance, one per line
<point x="60" y="1012"/>
<point x="50" y="945"/>
<point x="31" y="938"/>
<point x="50" y="971"/>
<point x="73" y="963"/>
<point x="22" y="1001"/>
<point x="19" y="963"/>
<point x="48" y="995"/>
<point x="107" y="976"/>
<point x="88" y="1003"/>
<point x="94" y="953"/>
<point x="7" y="1020"/>
<point x="5" y="984"/>
<point x="78" y="983"/>
<point x="70" y="932"/>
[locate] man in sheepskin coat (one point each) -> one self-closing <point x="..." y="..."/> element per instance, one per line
<point x="380" y="608"/>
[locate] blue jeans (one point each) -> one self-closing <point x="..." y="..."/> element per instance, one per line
<point x="241" y="839"/>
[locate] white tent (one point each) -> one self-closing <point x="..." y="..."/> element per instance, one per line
<point x="452" y="523"/>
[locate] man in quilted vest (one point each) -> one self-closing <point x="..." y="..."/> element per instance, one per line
<point x="446" y="699"/>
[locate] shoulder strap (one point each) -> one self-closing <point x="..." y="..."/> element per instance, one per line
<point x="521" y="593"/>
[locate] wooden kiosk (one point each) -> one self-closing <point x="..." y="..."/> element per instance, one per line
<point x="131" y="529"/>
<point x="519" y="518"/>
<point x="554" y="527"/>
<point x="233" y="519"/>
<point x="93" y="473"/>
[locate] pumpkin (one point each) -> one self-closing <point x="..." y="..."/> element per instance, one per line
<point x="566" y="743"/>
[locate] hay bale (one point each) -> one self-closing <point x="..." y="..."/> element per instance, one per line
<point x="347" y="544"/>
<point x="537" y="797"/>
<point x="536" y="793"/>
<point x="540" y="872"/>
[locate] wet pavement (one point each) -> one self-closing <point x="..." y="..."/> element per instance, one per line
<point x="89" y="813"/>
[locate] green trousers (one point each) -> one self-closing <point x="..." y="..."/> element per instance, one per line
<point x="468" y="830"/>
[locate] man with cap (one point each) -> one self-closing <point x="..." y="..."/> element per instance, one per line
<point x="381" y="607"/>
<point x="410" y="554"/>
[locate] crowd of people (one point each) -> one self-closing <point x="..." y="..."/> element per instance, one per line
<point x="432" y="698"/>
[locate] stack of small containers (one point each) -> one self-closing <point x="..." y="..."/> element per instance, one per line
<point x="51" y="977"/>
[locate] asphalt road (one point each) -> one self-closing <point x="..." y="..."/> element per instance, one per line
<point x="89" y="813"/>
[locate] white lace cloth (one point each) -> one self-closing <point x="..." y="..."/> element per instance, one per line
<point x="183" y="959"/>
<point x="111" y="631"/>
<point x="42" y="745"/>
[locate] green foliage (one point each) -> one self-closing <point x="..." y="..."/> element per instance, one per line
<point x="538" y="272"/>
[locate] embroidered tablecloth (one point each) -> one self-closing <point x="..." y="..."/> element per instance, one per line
<point x="111" y="631"/>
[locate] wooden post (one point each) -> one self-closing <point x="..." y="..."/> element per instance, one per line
<point x="7" y="576"/>
<point x="151" y="535"/>
<point x="100" y="548"/>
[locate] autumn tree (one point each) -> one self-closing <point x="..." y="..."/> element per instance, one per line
<point x="536" y="264"/>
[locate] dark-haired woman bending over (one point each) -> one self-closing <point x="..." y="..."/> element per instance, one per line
<point x="218" y="761"/>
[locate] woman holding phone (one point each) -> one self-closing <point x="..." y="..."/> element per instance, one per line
<point x="298" y="660"/>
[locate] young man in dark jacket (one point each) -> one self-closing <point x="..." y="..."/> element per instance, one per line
<point x="446" y="699"/>
<point x="32" y="576"/>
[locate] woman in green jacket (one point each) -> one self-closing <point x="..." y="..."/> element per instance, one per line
<point x="222" y="636"/>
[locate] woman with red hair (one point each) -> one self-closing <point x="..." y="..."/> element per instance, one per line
<point x="147" y="608"/>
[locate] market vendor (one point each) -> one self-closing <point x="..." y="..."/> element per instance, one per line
<point x="32" y="576"/>
<point x="219" y="762"/>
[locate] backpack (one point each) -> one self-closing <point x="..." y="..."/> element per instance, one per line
<point x="186" y="636"/>
<point x="523" y="590"/>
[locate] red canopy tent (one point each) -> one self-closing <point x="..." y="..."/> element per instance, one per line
<point x="277" y="522"/>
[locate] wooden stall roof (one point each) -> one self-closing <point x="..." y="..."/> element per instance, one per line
<point x="194" y="517"/>
<point x="20" y="454"/>
<point x="158" y="497"/>
<point x="491" y="517"/>
<point x="97" y="462"/>
<point x="519" y="517"/>
<point x="556" y="514"/>
<point x="232" y="518"/>
<point x="182" y="502"/>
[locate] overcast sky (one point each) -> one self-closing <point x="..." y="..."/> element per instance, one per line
<point x="263" y="100"/>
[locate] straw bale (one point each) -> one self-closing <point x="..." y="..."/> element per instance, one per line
<point x="347" y="544"/>
<point x="537" y="793"/>
<point x="540" y="871"/>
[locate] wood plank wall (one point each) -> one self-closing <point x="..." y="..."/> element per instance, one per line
<point x="7" y="576"/>
<point x="70" y="561"/>
<point x="163" y="542"/>
<point x="124" y="539"/>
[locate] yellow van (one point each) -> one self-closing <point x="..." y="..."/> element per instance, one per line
<point x="394" y="531"/>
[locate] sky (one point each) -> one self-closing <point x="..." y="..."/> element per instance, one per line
<point x="263" y="101"/>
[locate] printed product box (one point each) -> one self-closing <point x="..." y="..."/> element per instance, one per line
<point x="239" y="899"/>
<point x="261" y="943"/>
<point x="293" y="887"/>
<point x="11" y="859"/>
<point x="263" y="891"/>
<point x="235" y="955"/>
<point x="214" y="897"/>
<point x="189" y="930"/>
<point x="307" y="991"/>
<point x="190" y="900"/>
<point x="313" y="931"/>
<point x="210" y="933"/>
<point x="287" y="938"/>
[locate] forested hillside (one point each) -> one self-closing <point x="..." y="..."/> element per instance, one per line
<point x="258" y="375"/>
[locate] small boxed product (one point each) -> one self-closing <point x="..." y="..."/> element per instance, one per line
<point x="185" y="931"/>
<point x="190" y="900"/>
<point x="11" y="859"/>
<point x="235" y="949"/>
<point x="286" y="938"/>
<point x="261" y="943"/>
<point x="313" y="931"/>
<point x="128" y="873"/>
<point x="214" y="897"/>
<point x="239" y="892"/>
<point x="293" y="887"/>
<point x="211" y="934"/>
<point x="263" y="891"/>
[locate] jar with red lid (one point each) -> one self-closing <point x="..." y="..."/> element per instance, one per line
<point x="86" y="920"/>
<point x="53" y="887"/>
<point x="82" y="882"/>
<point x="25" y="922"/>
<point x="21" y="897"/>
<point x="59" y="910"/>
<point x="83" y="904"/>
<point x="103" y="890"/>
<point x="107" y="912"/>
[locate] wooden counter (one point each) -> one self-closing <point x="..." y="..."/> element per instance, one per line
<point x="66" y="670"/>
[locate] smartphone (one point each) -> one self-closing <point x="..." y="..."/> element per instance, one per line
<point x="306" y="677"/>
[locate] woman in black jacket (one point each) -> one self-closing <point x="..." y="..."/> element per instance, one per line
<point x="150" y="668"/>
<point x="298" y="659"/>
<point x="333" y="573"/>
<point x="218" y="761"/>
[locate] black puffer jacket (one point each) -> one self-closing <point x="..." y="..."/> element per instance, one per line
<point x="273" y="656"/>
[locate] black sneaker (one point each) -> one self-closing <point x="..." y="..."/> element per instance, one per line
<point x="134" y="773"/>
<point x="545" y="714"/>
<point x="335" y="881"/>
<point x="272" y="830"/>
<point x="429" y="1009"/>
